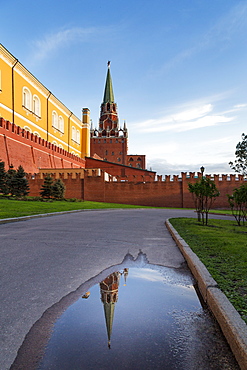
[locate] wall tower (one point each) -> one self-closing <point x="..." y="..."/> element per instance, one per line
<point x="109" y="141"/>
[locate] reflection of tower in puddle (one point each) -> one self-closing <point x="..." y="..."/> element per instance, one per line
<point x="109" y="297"/>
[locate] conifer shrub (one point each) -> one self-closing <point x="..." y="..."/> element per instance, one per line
<point x="10" y="179"/>
<point x="46" y="188"/>
<point x="58" y="189"/>
<point x="3" y="186"/>
<point x="13" y="181"/>
<point x="20" y="185"/>
<point x="52" y="189"/>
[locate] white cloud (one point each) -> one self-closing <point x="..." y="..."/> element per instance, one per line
<point x="53" y="42"/>
<point x="188" y="119"/>
<point x="164" y="167"/>
<point x="194" y="113"/>
<point x="222" y="140"/>
<point x="229" y="25"/>
<point x="239" y="106"/>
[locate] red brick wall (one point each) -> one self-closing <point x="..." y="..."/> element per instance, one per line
<point x="112" y="149"/>
<point x="74" y="186"/>
<point x="136" y="160"/>
<point x="19" y="147"/>
<point x="159" y="193"/>
<point x="134" y="186"/>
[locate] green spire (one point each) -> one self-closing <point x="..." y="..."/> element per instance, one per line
<point x="109" y="309"/>
<point x="108" y="95"/>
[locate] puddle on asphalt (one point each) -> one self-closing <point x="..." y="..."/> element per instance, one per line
<point x="139" y="316"/>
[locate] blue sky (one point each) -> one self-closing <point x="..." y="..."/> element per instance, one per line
<point x="179" y="70"/>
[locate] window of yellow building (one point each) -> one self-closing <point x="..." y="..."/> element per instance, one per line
<point x="26" y="98"/>
<point x="78" y="136"/>
<point x="36" y="133"/>
<point x="61" y="124"/>
<point x="54" y="119"/>
<point x="36" y="105"/>
<point x="27" y="129"/>
<point x="73" y="133"/>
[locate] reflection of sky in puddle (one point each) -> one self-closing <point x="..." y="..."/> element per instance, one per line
<point x="155" y="324"/>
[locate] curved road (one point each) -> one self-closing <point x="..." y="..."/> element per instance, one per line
<point x="44" y="259"/>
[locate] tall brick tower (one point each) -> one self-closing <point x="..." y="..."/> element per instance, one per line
<point x="109" y="141"/>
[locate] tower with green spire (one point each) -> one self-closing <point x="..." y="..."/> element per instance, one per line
<point x="109" y="297"/>
<point x="108" y="95"/>
<point x="109" y="141"/>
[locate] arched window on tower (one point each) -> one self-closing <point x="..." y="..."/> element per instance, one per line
<point x="108" y="107"/>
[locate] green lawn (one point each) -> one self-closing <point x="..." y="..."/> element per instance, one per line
<point x="221" y="211"/>
<point x="222" y="247"/>
<point x="17" y="208"/>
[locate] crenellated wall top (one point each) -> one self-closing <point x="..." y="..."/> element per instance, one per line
<point x="21" y="132"/>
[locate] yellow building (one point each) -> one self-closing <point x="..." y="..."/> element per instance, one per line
<point x="27" y="103"/>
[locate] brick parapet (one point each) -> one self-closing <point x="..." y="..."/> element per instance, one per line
<point x="98" y="185"/>
<point x="19" y="146"/>
<point x="171" y="192"/>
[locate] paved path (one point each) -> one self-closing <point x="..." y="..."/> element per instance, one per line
<point x="44" y="259"/>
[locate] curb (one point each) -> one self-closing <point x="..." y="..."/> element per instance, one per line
<point x="231" y="323"/>
<point x="24" y="218"/>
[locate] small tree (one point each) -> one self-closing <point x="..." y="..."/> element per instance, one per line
<point x="238" y="203"/>
<point x="3" y="186"/>
<point x="58" y="189"/>
<point x="10" y="180"/>
<point x="240" y="164"/>
<point x="20" y="183"/>
<point x="204" y="193"/>
<point x="46" y="189"/>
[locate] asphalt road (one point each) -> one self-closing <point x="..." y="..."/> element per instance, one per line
<point x="44" y="259"/>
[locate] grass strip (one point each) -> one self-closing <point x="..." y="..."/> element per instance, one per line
<point x="222" y="247"/>
<point x="17" y="208"/>
<point x="221" y="211"/>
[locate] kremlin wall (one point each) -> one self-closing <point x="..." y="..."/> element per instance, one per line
<point x="96" y="185"/>
<point x="20" y="147"/>
<point x="40" y="133"/>
<point x="102" y="181"/>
